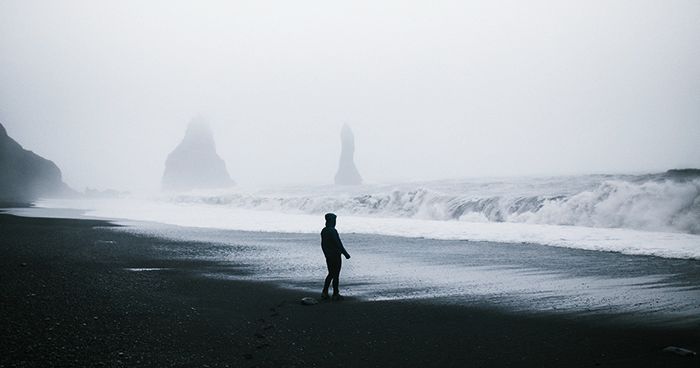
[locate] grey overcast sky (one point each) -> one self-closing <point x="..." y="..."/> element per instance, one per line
<point x="432" y="89"/>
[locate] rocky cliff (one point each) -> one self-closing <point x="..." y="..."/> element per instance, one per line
<point x="347" y="172"/>
<point x="194" y="164"/>
<point x="26" y="176"/>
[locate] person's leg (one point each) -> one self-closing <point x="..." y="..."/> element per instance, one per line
<point x="336" y="275"/>
<point x="327" y="282"/>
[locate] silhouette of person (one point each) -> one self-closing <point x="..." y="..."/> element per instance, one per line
<point x="332" y="249"/>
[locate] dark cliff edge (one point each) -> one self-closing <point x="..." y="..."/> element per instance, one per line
<point x="26" y="176"/>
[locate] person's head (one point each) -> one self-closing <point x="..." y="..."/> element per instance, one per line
<point x="330" y="219"/>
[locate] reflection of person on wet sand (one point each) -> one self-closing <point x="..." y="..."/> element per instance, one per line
<point x="332" y="249"/>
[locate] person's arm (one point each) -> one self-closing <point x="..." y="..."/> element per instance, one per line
<point x="340" y="245"/>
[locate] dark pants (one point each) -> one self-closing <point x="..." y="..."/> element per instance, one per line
<point x="334" y="263"/>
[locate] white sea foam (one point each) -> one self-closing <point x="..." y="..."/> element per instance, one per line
<point x="662" y="244"/>
<point x="146" y="269"/>
<point x="660" y="202"/>
<point x="655" y="214"/>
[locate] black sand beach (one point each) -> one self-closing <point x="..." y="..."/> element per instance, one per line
<point x="68" y="300"/>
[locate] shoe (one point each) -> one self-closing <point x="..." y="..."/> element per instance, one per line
<point x="337" y="297"/>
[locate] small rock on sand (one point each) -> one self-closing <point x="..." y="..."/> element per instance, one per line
<point x="308" y="301"/>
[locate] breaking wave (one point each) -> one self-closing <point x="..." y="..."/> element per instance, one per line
<point x="668" y="202"/>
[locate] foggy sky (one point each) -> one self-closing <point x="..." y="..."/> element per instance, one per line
<point x="438" y="89"/>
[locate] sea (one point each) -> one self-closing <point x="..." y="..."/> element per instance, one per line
<point x="618" y="246"/>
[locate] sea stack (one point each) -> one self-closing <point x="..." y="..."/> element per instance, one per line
<point x="194" y="164"/>
<point x="26" y="176"/>
<point x="347" y="172"/>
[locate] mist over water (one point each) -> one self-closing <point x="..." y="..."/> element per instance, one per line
<point x="447" y="90"/>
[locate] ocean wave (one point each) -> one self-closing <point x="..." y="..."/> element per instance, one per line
<point x="667" y="202"/>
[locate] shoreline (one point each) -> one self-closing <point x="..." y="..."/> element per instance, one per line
<point x="577" y="283"/>
<point x="68" y="299"/>
<point x="628" y="241"/>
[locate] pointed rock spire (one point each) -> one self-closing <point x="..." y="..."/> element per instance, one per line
<point x="194" y="164"/>
<point x="347" y="172"/>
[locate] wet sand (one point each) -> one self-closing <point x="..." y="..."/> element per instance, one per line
<point x="71" y="297"/>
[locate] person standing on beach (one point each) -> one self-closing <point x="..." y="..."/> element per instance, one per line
<point x="332" y="249"/>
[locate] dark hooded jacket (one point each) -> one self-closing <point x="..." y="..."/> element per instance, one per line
<point x="330" y="240"/>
